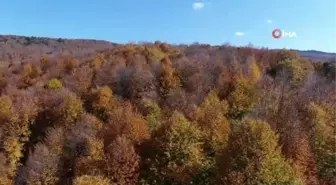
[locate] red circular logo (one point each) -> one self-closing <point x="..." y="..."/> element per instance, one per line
<point x="276" y="33"/>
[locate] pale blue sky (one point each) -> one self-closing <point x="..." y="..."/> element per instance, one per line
<point x="176" y="21"/>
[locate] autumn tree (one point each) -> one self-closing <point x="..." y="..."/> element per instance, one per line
<point x="45" y="63"/>
<point x="42" y="166"/>
<point x="103" y="102"/>
<point x="286" y="54"/>
<point x="121" y="162"/>
<point x="211" y="117"/>
<point x="140" y="83"/>
<point x="154" y="54"/>
<point x="154" y="115"/>
<point x="293" y="71"/>
<point x="253" y="71"/>
<point x="91" y="163"/>
<point x="323" y="126"/>
<point x="81" y="147"/>
<point x="63" y="107"/>
<point x="254" y="157"/>
<point x="16" y="116"/>
<point x="96" y="62"/>
<point x="69" y="64"/>
<point x="91" y="180"/>
<point x="243" y="98"/>
<point x="124" y="121"/>
<point x="169" y="79"/>
<point x="178" y="153"/>
<point x="29" y="75"/>
<point x="54" y="84"/>
<point x="302" y="159"/>
<point x="79" y="82"/>
<point x="11" y="154"/>
<point x="225" y="82"/>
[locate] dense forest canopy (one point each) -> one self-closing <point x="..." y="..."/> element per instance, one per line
<point x="15" y="48"/>
<point x="157" y="114"/>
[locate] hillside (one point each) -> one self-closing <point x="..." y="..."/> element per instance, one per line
<point x="158" y="114"/>
<point x="21" y="48"/>
<point x="317" y="55"/>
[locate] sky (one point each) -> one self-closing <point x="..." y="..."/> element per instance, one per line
<point x="237" y="22"/>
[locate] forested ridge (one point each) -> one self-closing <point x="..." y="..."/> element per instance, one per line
<point x="157" y="114"/>
<point x="16" y="49"/>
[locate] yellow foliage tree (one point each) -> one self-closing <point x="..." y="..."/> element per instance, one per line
<point x="294" y="71"/>
<point x="323" y="140"/>
<point x="211" y="118"/>
<point x="96" y="62"/>
<point x="254" y="72"/>
<point x="179" y="157"/>
<point x="70" y="109"/>
<point x="92" y="163"/>
<point x="254" y="157"/>
<point x="169" y="80"/>
<point x="91" y="180"/>
<point x="154" y="54"/>
<point x="103" y="103"/>
<point x="243" y="98"/>
<point x="13" y="151"/>
<point x="54" y="84"/>
<point x="6" y="109"/>
<point x="154" y="116"/>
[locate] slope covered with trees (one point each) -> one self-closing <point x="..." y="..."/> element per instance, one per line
<point x="27" y="49"/>
<point x="156" y="114"/>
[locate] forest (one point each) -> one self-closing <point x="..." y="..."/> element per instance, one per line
<point x="158" y="114"/>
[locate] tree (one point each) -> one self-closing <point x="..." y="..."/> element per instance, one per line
<point x="91" y="180"/>
<point x="12" y="152"/>
<point x="16" y="117"/>
<point x="80" y="81"/>
<point x="124" y="121"/>
<point x="43" y="164"/>
<point x="303" y="160"/>
<point x="6" y="110"/>
<point x="254" y="157"/>
<point x="63" y="107"/>
<point x="243" y="98"/>
<point x="169" y="79"/>
<point x="140" y="83"/>
<point x="103" y="102"/>
<point x="122" y="162"/>
<point x="54" y="84"/>
<point x="178" y="152"/>
<point x="211" y="118"/>
<point x="82" y="147"/>
<point x="69" y="64"/>
<point x="323" y="141"/>
<point x="293" y="71"/>
<point x="254" y="72"/>
<point x="45" y="63"/>
<point x="96" y="62"/>
<point x="70" y="109"/>
<point x="154" y="54"/>
<point x="154" y="115"/>
<point x="92" y="162"/>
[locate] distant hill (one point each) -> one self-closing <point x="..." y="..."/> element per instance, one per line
<point x="21" y="48"/>
<point x="317" y="55"/>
